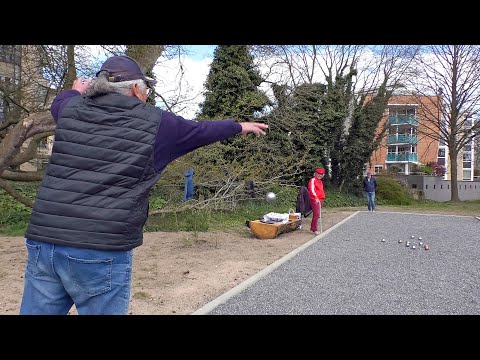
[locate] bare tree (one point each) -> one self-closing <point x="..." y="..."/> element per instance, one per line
<point x="357" y="73"/>
<point x="32" y="122"/>
<point x="450" y="76"/>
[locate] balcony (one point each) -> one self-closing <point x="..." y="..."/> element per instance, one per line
<point x="401" y="139"/>
<point x="402" y="157"/>
<point x="402" y="120"/>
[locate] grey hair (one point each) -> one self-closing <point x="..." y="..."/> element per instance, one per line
<point x="101" y="86"/>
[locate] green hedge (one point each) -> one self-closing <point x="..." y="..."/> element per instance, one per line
<point x="392" y="192"/>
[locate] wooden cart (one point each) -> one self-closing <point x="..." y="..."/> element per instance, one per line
<point x="263" y="230"/>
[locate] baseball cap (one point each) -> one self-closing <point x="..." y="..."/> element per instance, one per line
<point x="320" y="171"/>
<point x="124" y="68"/>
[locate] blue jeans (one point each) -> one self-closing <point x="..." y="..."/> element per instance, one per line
<point x="56" y="277"/>
<point x="370" y="200"/>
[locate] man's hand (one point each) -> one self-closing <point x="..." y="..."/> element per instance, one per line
<point x="81" y="85"/>
<point x="252" y="127"/>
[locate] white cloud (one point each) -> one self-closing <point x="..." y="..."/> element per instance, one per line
<point x="180" y="82"/>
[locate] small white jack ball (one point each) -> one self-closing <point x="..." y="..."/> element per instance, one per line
<point x="270" y="197"/>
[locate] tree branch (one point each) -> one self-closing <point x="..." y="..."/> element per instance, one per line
<point x="22" y="176"/>
<point x="13" y="193"/>
<point x="31" y="151"/>
<point x="33" y="124"/>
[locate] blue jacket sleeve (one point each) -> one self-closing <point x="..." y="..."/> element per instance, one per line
<point x="177" y="136"/>
<point x="60" y="101"/>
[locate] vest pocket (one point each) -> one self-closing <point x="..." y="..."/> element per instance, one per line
<point x="93" y="277"/>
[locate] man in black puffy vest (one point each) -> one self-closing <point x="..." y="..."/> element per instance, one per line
<point x="110" y="149"/>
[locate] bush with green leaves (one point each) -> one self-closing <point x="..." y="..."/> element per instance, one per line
<point x="336" y="198"/>
<point x="392" y="192"/>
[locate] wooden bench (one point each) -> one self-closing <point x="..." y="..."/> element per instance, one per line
<point x="263" y="230"/>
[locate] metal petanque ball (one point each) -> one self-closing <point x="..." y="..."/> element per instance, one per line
<point x="413" y="246"/>
<point x="400" y="241"/>
<point x="421" y="243"/>
<point x="420" y="238"/>
<point x="270" y="197"/>
<point x="413" y="237"/>
<point x="383" y="240"/>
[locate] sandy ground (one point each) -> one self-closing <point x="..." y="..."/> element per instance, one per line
<point x="176" y="273"/>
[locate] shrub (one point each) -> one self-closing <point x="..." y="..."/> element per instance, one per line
<point x="392" y="192"/>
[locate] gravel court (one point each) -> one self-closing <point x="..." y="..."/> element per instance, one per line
<point x="349" y="270"/>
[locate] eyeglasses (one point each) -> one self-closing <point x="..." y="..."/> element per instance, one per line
<point x="148" y="91"/>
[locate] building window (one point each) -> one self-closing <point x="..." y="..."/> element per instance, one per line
<point x="441" y="161"/>
<point x="441" y="187"/>
<point x="467" y="175"/>
<point x="441" y="153"/>
<point x="414" y="186"/>
<point x="378" y="169"/>
<point x="426" y="187"/>
<point x="433" y="187"/>
<point x="467" y="156"/>
<point x="467" y="164"/>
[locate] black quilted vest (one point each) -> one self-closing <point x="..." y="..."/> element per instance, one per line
<point x="95" y="190"/>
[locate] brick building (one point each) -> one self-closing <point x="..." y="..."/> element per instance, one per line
<point x="410" y="141"/>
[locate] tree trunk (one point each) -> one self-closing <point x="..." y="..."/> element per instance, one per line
<point x="145" y="55"/>
<point x="71" y="68"/>
<point x="453" y="176"/>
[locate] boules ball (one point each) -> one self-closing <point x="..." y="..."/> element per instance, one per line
<point x="270" y="197"/>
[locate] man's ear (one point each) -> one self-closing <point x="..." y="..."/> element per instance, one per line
<point x="136" y="91"/>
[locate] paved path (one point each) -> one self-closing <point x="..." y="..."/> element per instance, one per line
<point x="349" y="270"/>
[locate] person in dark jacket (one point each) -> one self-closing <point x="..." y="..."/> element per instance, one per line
<point x="303" y="202"/>
<point x="370" y="186"/>
<point x="110" y="148"/>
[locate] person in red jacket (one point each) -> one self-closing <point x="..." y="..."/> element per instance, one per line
<point x="315" y="190"/>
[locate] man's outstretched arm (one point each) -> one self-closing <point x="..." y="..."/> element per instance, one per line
<point x="178" y="136"/>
